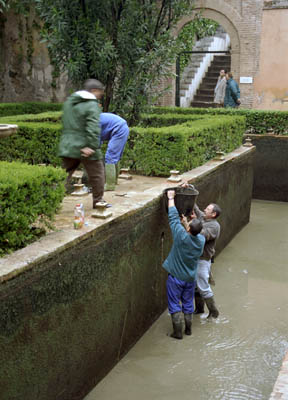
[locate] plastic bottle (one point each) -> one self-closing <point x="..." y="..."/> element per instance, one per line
<point x="78" y="216"/>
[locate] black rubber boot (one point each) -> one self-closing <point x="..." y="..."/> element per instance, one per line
<point x="177" y="326"/>
<point x="213" y="311"/>
<point x="199" y="303"/>
<point x="188" y="324"/>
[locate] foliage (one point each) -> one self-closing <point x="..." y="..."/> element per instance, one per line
<point x="159" y="120"/>
<point x="156" y="151"/>
<point x="7" y="109"/>
<point x="257" y="121"/>
<point x="30" y="196"/>
<point x="18" y="6"/>
<point x="195" y="30"/>
<point x="127" y="45"/>
<point x="35" y="142"/>
<point x="153" y="150"/>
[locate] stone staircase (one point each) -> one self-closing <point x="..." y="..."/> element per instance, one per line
<point x="199" y="66"/>
<point x="205" y="94"/>
<point x="191" y="69"/>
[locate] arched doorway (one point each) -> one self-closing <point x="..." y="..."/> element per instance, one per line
<point x="228" y="19"/>
<point x="207" y="52"/>
<point x="232" y="22"/>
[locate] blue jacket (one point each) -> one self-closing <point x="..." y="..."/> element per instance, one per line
<point x="232" y="93"/>
<point x="182" y="260"/>
<point x="111" y="124"/>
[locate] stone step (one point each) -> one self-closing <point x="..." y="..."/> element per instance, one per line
<point x="201" y="104"/>
<point x="204" y="98"/>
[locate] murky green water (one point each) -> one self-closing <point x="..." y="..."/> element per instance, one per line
<point x="237" y="357"/>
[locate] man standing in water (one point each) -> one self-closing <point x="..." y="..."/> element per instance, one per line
<point x="211" y="232"/>
<point x="181" y="265"/>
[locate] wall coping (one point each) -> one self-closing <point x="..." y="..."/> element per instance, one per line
<point x="57" y="241"/>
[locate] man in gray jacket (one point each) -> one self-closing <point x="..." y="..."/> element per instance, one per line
<point x="211" y="232"/>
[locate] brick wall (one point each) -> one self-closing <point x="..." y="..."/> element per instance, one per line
<point x="242" y="20"/>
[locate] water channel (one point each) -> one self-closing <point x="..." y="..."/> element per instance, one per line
<point x="237" y="356"/>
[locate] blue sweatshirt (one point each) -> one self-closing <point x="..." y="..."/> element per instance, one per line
<point x="186" y="250"/>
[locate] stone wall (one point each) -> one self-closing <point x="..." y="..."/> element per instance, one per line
<point x="26" y="72"/>
<point x="270" y="167"/>
<point x="271" y="82"/>
<point x="66" y="320"/>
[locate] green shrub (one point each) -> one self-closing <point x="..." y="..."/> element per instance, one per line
<point x="49" y="116"/>
<point x="30" y="196"/>
<point x="34" y="143"/>
<point x="158" y="120"/>
<point x="257" y="121"/>
<point x="7" y="109"/>
<point x="156" y="151"/>
<point x="186" y="142"/>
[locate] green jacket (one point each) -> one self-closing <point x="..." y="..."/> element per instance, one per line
<point x="81" y="126"/>
<point x="232" y="94"/>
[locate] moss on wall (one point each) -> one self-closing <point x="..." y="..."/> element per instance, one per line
<point x="270" y="167"/>
<point x="68" y="320"/>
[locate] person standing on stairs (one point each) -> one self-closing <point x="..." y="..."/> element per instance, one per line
<point x="181" y="265"/>
<point x="232" y="93"/>
<point x="114" y="129"/>
<point x="219" y="91"/>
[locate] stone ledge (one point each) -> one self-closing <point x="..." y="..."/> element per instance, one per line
<point x="140" y="192"/>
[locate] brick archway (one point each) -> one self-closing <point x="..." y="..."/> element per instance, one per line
<point x="243" y="22"/>
<point x="228" y="18"/>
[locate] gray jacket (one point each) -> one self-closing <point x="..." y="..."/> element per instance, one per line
<point x="211" y="232"/>
<point x="219" y="91"/>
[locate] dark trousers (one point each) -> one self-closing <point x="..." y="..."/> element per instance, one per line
<point x="180" y="291"/>
<point x="95" y="171"/>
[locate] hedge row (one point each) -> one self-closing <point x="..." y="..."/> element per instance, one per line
<point x="149" y="150"/>
<point x="34" y="143"/>
<point x="7" y="109"/>
<point x="167" y="119"/>
<point x="156" y="151"/>
<point x="257" y="121"/>
<point x="30" y="196"/>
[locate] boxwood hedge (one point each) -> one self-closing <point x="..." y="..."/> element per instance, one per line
<point x="30" y="196"/>
<point x="257" y="121"/>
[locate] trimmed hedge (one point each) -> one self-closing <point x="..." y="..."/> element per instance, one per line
<point x="257" y="121"/>
<point x="159" y="120"/>
<point x="34" y="143"/>
<point x="150" y="151"/>
<point x="7" y="109"/>
<point x="30" y="196"/>
<point x="156" y="151"/>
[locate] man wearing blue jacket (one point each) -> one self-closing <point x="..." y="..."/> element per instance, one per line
<point x="232" y="93"/>
<point x="114" y="129"/>
<point x="181" y="265"/>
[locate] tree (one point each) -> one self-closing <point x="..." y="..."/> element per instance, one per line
<point x="127" y="44"/>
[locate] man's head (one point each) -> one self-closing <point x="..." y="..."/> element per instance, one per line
<point x="222" y="73"/>
<point x="195" y="226"/>
<point x="229" y="75"/>
<point x="95" y="87"/>
<point x="212" y="211"/>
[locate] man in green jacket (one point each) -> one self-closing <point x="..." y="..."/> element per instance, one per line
<point x="80" y="141"/>
<point x="232" y="93"/>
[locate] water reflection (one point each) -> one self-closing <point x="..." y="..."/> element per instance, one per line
<point x="239" y="355"/>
